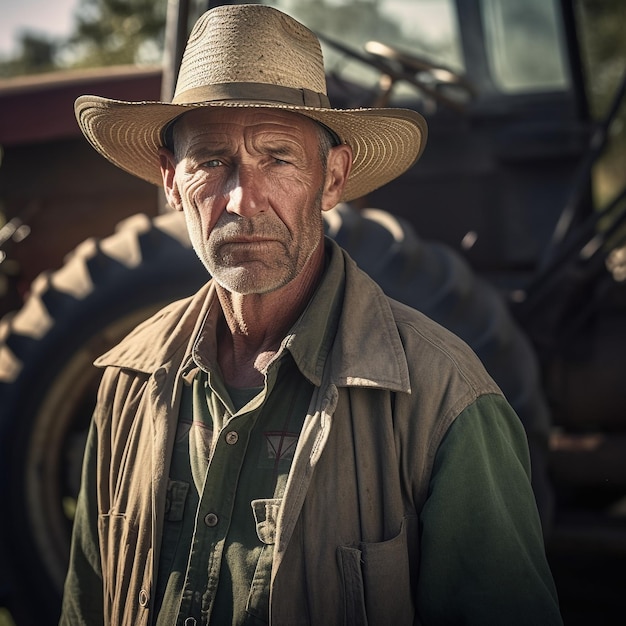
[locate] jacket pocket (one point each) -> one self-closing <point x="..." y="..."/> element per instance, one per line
<point x="376" y="582"/>
<point x="123" y="572"/>
<point x="265" y="513"/>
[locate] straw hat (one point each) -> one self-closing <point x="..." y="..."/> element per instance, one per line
<point x="254" y="56"/>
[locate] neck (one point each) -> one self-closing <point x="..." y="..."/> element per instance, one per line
<point x="254" y="325"/>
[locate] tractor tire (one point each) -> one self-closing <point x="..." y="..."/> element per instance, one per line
<point x="47" y="387"/>
<point x="105" y="288"/>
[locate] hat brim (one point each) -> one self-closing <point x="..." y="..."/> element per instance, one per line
<point x="385" y="142"/>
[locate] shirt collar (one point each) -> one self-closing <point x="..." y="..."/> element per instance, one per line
<point x="311" y="338"/>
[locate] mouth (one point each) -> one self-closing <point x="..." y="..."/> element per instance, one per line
<point x="246" y="249"/>
<point x="247" y="241"/>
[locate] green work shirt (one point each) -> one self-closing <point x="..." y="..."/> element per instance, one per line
<point x="230" y="464"/>
<point x="229" y="470"/>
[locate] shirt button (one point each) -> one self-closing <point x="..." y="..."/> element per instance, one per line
<point x="144" y="598"/>
<point x="210" y="519"/>
<point x="232" y="437"/>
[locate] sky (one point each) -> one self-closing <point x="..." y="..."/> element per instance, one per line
<point x="49" y="17"/>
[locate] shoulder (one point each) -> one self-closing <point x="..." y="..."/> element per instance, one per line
<point x="445" y="374"/>
<point x="432" y="349"/>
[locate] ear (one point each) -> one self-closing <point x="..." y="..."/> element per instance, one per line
<point x="338" y="168"/>
<point x="167" y="162"/>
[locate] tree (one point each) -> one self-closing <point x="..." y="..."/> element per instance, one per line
<point x="36" y="54"/>
<point x="113" y="32"/>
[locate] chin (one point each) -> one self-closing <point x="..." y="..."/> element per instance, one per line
<point x="247" y="283"/>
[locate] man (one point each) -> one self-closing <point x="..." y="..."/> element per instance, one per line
<point x="288" y="445"/>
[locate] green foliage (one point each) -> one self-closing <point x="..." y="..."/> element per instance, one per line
<point x="112" y="32"/>
<point x="37" y="54"/>
<point x="603" y="49"/>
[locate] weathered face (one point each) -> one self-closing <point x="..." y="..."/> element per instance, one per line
<point x="252" y="186"/>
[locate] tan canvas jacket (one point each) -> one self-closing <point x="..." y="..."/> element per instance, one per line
<point x="347" y="530"/>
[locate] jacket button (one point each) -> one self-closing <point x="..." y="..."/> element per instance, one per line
<point x="210" y="519"/>
<point x="232" y="438"/>
<point x="144" y="598"/>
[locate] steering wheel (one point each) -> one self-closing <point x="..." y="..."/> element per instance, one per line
<point x="424" y="74"/>
<point x="395" y="66"/>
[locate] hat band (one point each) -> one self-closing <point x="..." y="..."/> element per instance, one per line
<point x="253" y="91"/>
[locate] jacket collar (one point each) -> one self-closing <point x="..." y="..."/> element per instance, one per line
<point x="366" y="330"/>
<point x="154" y="342"/>
<point x="368" y="350"/>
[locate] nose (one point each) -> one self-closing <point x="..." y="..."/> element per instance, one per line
<point x="247" y="194"/>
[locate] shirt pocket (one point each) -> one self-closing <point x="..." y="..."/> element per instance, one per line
<point x="265" y="513"/>
<point x="175" y="502"/>
<point x="175" y="499"/>
<point x="376" y="582"/>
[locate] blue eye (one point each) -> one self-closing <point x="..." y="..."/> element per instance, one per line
<point x="212" y="163"/>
